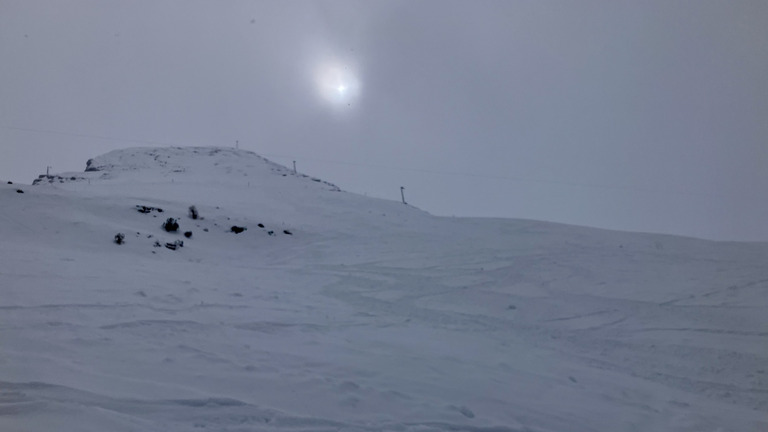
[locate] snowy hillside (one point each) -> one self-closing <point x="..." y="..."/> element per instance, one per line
<point x="346" y="313"/>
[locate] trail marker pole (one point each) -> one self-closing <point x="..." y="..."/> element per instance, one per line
<point x="237" y="144"/>
<point x="47" y="171"/>
<point x="402" y="194"/>
<point x="294" y="167"/>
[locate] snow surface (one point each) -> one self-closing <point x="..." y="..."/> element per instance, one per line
<point x="371" y="316"/>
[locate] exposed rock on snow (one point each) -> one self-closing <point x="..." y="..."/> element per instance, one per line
<point x="147" y="209"/>
<point x="174" y="245"/>
<point x="89" y="166"/>
<point x="171" y="225"/>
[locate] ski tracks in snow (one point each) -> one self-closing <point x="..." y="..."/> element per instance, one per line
<point x="25" y="406"/>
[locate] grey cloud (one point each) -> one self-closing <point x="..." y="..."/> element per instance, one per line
<point x="642" y="115"/>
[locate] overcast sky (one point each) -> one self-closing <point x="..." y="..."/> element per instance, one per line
<point x="643" y="115"/>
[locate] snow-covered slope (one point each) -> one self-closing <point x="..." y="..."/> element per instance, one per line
<point x="356" y="313"/>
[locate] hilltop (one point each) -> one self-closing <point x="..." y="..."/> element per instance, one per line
<point x="343" y="312"/>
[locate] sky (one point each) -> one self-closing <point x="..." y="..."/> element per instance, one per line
<point x="642" y="116"/>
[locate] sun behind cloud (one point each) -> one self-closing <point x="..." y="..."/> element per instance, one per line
<point x="337" y="84"/>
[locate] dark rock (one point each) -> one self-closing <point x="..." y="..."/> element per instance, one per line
<point x="261" y="225"/>
<point x="171" y="225"/>
<point x="193" y="212"/>
<point x="175" y="245"/>
<point x="148" y="209"/>
<point x="271" y="233"/>
<point x="157" y="244"/>
<point x="237" y="230"/>
<point x="287" y="232"/>
<point x="119" y="238"/>
<point x="10" y="182"/>
<point x="205" y="229"/>
<point x="19" y="191"/>
<point x="188" y="234"/>
<point x="88" y="166"/>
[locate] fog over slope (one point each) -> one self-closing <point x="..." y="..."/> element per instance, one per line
<point x="350" y="313"/>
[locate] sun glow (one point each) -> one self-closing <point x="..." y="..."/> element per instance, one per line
<point x="337" y="84"/>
